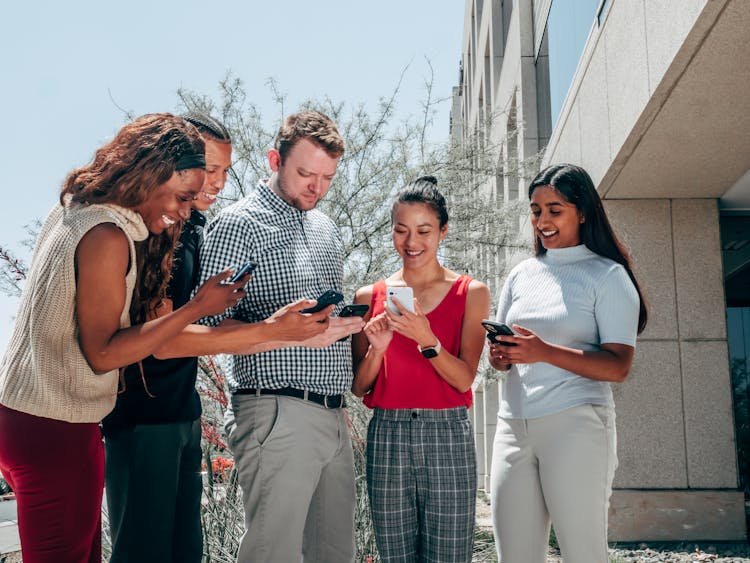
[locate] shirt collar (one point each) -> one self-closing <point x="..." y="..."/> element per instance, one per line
<point x="568" y="254"/>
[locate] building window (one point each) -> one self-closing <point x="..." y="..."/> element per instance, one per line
<point x="602" y="11"/>
<point x="565" y="33"/>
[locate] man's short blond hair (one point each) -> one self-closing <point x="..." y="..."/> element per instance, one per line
<point x="312" y="125"/>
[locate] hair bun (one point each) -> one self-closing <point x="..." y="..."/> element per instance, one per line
<point x="430" y="179"/>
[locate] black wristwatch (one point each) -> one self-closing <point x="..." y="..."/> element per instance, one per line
<point x="430" y="352"/>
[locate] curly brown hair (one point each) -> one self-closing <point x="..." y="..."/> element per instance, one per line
<point x="142" y="156"/>
<point x="154" y="259"/>
<point x="126" y="171"/>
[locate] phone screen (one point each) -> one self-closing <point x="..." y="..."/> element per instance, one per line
<point x="405" y="296"/>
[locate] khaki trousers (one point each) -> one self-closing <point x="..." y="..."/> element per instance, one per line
<point x="296" y="468"/>
<point x="556" y="468"/>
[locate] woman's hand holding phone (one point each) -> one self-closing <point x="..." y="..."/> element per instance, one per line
<point x="526" y="348"/>
<point x="413" y="325"/>
<point x="495" y="332"/>
<point x="216" y="295"/>
<point x="404" y="295"/>
<point x="243" y="271"/>
<point x="497" y="356"/>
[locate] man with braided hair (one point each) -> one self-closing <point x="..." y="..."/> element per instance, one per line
<point x="153" y="436"/>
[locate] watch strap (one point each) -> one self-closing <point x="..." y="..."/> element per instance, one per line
<point x="430" y="351"/>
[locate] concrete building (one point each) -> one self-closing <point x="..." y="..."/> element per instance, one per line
<point x="652" y="98"/>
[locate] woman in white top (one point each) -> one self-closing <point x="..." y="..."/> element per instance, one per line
<point x="575" y="308"/>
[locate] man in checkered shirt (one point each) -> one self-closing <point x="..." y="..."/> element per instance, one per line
<point x="289" y="435"/>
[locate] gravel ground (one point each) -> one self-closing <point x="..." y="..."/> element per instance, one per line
<point x="674" y="553"/>
<point x="623" y="553"/>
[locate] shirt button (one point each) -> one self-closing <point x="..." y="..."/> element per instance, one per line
<point x="414" y="415"/>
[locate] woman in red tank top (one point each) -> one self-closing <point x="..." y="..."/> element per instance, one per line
<point x="415" y="369"/>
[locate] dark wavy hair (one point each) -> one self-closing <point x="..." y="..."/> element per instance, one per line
<point x="126" y="171"/>
<point x="576" y="186"/>
<point x="423" y="190"/>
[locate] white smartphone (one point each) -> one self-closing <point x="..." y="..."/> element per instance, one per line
<point x="405" y="296"/>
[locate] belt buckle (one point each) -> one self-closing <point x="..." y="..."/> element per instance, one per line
<point x="338" y="406"/>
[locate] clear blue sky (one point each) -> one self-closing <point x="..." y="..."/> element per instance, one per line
<point x="59" y="61"/>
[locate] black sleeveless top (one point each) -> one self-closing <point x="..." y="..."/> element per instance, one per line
<point x="170" y="382"/>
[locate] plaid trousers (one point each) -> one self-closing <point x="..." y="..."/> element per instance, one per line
<point x="422" y="480"/>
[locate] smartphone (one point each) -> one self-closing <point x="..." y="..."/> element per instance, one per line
<point x="328" y="297"/>
<point x="495" y="329"/>
<point x="247" y="268"/>
<point x="405" y="296"/>
<point x="354" y="310"/>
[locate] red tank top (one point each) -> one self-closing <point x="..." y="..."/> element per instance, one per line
<point x="407" y="379"/>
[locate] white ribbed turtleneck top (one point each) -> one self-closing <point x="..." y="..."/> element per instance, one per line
<point x="570" y="297"/>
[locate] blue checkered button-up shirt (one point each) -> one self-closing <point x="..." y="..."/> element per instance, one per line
<point x="299" y="255"/>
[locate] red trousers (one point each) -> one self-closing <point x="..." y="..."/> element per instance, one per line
<point x="56" y="469"/>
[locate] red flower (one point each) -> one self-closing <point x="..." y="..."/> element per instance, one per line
<point x="220" y="467"/>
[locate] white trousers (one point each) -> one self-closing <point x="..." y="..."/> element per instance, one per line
<point x="556" y="468"/>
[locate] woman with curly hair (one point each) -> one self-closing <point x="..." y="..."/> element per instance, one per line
<point x="102" y="257"/>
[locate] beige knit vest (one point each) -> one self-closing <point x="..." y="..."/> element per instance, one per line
<point x="44" y="371"/>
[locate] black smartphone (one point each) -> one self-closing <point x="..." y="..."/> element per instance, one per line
<point x="495" y="329"/>
<point x="328" y="297"/>
<point x="247" y="268"/>
<point x="354" y="310"/>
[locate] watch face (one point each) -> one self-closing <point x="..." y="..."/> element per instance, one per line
<point x="429" y="352"/>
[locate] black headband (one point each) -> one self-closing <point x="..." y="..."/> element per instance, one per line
<point x="194" y="160"/>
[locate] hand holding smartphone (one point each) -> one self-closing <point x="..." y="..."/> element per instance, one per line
<point x="495" y="329"/>
<point x="328" y="297"/>
<point x="404" y="295"/>
<point x="353" y="310"/>
<point x="247" y="268"/>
